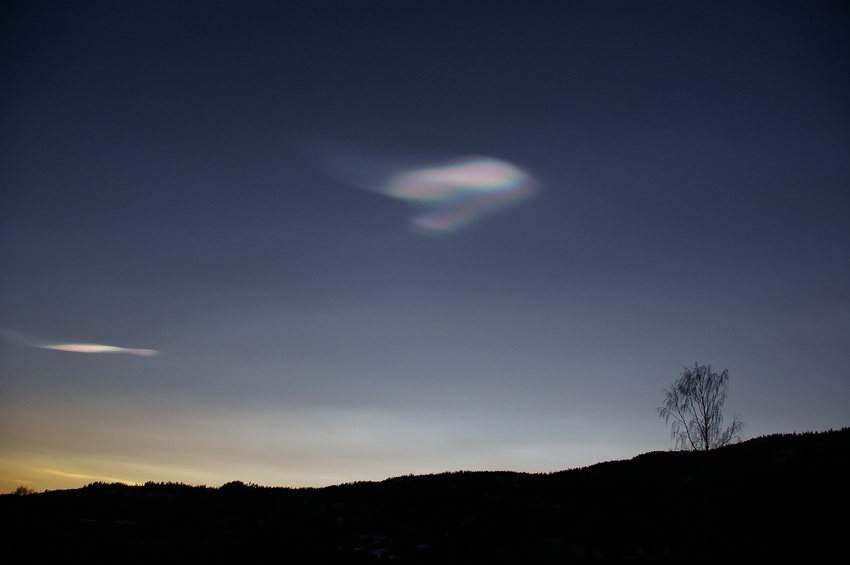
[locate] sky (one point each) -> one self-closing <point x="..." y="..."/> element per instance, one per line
<point x="310" y="243"/>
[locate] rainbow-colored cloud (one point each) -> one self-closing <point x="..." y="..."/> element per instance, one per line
<point x="97" y="348"/>
<point x="28" y="341"/>
<point x="459" y="192"/>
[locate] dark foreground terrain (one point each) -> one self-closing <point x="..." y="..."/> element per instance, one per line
<point x="782" y="497"/>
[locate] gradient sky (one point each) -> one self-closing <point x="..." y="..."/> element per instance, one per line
<point x="202" y="179"/>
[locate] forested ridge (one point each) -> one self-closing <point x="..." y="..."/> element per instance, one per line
<point x="782" y="495"/>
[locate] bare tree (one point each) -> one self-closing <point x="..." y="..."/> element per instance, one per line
<point x="694" y="404"/>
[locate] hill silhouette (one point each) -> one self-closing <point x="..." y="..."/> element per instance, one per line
<point x="774" y="497"/>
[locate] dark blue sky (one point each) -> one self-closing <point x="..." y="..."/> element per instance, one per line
<point x="187" y="177"/>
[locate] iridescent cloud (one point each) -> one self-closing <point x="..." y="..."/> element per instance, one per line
<point x="449" y="194"/>
<point x="74" y="347"/>
<point x="97" y="348"/>
<point x="459" y="192"/>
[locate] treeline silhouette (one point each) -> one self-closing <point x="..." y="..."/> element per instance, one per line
<point x="774" y="497"/>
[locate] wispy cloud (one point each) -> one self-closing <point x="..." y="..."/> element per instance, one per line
<point x="450" y="194"/>
<point x="98" y="348"/>
<point x="457" y="193"/>
<point x="72" y="347"/>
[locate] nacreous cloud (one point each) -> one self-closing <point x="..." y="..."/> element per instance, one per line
<point x="97" y="348"/>
<point x="73" y="347"/>
<point x="457" y="193"/>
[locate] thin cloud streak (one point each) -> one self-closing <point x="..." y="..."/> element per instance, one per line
<point x="97" y="348"/>
<point x="75" y="347"/>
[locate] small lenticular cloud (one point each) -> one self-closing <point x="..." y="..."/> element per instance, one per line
<point x="458" y="193"/>
<point x="450" y="194"/>
<point x="97" y="348"/>
<point x="74" y="347"/>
